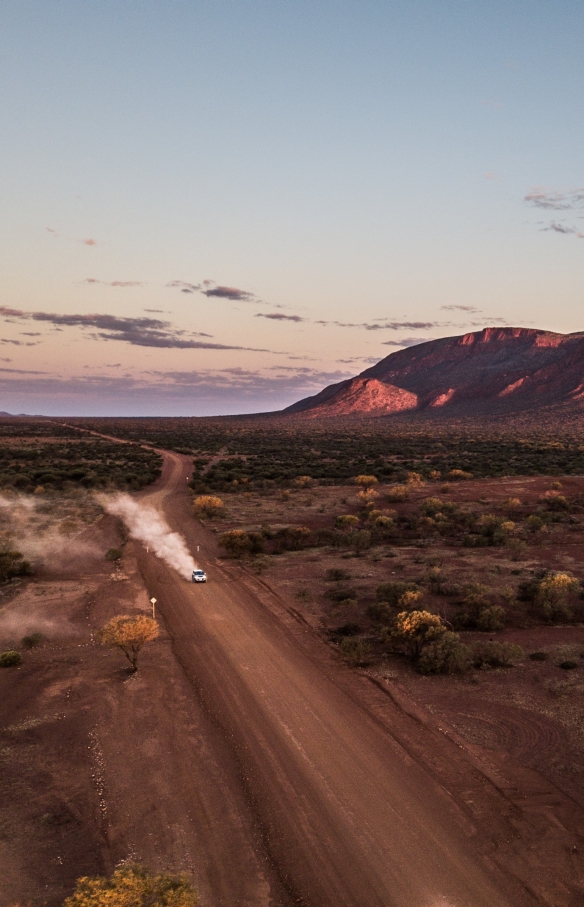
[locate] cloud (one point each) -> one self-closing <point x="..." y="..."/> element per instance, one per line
<point x="211" y="289"/>
<point x="89" y="242"/>
<point x="233" y="293"/>
<point x="278" y="317"/>
<point x="30" y="333"/>
<point x="493" y="176"/>
<point x="184" y="287"/>
<point x="555" y="199"/>
<point x="459" y="308"/>
<point x="407" y="341"/>
<point x="157" y="311"/>
<point x="150" y="332"/>
<point x="22" y="371"/>
<point x="114" y="283"/>
<point x="561" y="228"/>
<point x="388" y="325"/>
<point x="20" y="342"/>
<point x="52" y="232"/>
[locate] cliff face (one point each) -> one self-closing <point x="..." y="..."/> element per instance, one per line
<point x="496" y="370"/>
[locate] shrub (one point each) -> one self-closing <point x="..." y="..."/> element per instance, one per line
<point x="303" y="481"/>
<point x="133" y="886"/>
<point x="497" y="654"/>
<point x="459" y="474"/>
<point x="553" y="594"/>
<point x="346" y="521"/>
<point x="392" y="592"/>
<point x="415" y="629"/>
<point x="445" y="655"/>
<point x="337" y="594"/>
<point x="208" y="505"/>
<point x="491" y="619"/>
<point x="368" y="496"/>
<point x="10" y="659"/>
<point x="397" y="493"/>
<point x="29" y="642"/>
<point x="236" y="542"/>
<point x="355" y="651"/>
<point x="534" y="523"/>
<point x="381" y="613"/>
<point x="538" y="656"/>
<point x="336" y="574"/>
<point x="414" y="478"/>
<point x="568" y="665"/>
<point x="361" y="539"/>
<point x="511" y="504"/>
<point x="12" y="564"/>
<point x="431" y="506"/>
<point x="365" y="481"/>
<point x="409" y="600"/>
<point x="113" y="554"/>
<point x="348" y="629"/>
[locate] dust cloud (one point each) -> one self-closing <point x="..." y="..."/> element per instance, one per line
<point x="44" y="530"/>
<point x="145" y="524"/>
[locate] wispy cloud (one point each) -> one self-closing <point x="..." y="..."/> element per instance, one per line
<point x="407" y="341"/>
<point x="233" y="293"/>
<point x="89" y="242"/>
<point x="22" y="371"/>
<point x="114" y="283"/>
<point x="459" y="308"/>
<point x="555" y="199"/>
<point x="183" y="286"/>
<point x="150" y="332"/>
<point x="19" y="342"/>
<point x="386" y="325"/>
<point x="562" y="228"/>
<point x="276" y="316"/>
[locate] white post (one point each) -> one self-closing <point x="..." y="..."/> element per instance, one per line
<point x="153" y="603"/>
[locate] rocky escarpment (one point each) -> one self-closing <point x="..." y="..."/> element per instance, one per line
<point x="494" y="370"/>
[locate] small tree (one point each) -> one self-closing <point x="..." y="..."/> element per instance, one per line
<point x="347" y="521"/>
<point x="365" y="481"/>
<point x="415" y="629"/>
<point x="553" y="593"/>
<point x="133" y="886"/>
<point x="208" y="505"/>
<point x="129" y="634"/>
<point x="445" y="655"/>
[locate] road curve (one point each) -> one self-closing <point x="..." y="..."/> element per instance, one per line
<point x="343" y="812"/>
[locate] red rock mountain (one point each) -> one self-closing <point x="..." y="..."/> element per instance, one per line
<point x="496" y="370"/>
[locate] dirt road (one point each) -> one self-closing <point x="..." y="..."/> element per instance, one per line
<point x="345" y="798"/>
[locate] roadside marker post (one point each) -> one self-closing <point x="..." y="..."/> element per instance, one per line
<point x="153" y="603"/>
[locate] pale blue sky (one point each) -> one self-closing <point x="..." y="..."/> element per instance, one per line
<point x="366" y="163"/>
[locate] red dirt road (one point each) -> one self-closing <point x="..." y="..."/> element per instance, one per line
<point x="342" y="797"/>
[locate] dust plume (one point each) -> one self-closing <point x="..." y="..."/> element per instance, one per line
<point x="46" y="529"/>
<point x="148" y="526"/>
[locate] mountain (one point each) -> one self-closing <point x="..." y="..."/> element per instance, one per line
<point x="497" y="370"/>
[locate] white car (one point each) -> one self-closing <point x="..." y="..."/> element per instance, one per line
<point x="199" y="576"/>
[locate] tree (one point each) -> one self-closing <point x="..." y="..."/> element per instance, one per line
<point x="129" y="634"/>
<point x="445" y="655"/>
<point x="553" y="593"/>
<point x="415" y="629"/>
<point x="365" y="481"/>
<point x="133" y="886"/>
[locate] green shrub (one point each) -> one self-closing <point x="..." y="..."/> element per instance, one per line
<point x="392" y="592"/>
<point x="340" y="594"/>
<point x="355" y="651"/>
<point x="497" y="654"/>
<point x="539" y="656"/>
<point x="568" y="665"/>
<point x="491" y="619"/>
<point x="445" y="655"/>
<point x="10" y="659"/>
<point x="336" y="574"/>
<point x="29" y="642"/>
<point x="114" y="554"/>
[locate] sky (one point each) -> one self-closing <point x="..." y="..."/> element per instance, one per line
<point x="221" y="207"/>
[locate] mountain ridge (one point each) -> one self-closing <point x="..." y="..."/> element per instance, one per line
<point x="495" y="370"/>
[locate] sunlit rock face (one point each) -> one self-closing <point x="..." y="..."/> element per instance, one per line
<point x="494" y="370"/>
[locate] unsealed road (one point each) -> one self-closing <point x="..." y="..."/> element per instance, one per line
<point x="345" y="793"/>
